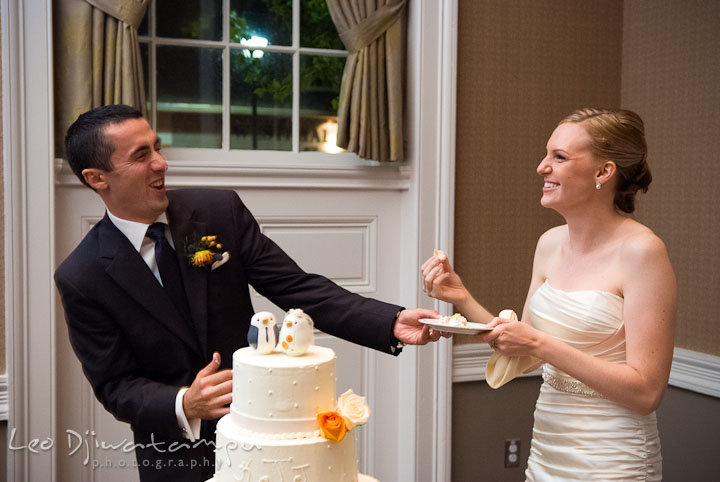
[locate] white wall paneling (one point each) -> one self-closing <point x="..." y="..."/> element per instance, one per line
<point x="429" y="215"/>
<point x="342" y="248"/>
<point x="29" y="254"/>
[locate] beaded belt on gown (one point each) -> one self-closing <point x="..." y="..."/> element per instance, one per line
<point x="568" y="385"/>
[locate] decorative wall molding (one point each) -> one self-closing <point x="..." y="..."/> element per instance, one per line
<point x="691" y="370"/>
<point x="394" y="177"/>
<point x="431" y="94"/>
<point x="29" y="232"/>
<point x="696" y="371"/>
<point x="342" y="248"/>
<point x="4" y="398"/>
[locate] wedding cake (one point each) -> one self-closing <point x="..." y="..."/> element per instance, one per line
<point x="285" y="423"/>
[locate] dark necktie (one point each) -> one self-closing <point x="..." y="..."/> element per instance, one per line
<point x="169" y="270"/>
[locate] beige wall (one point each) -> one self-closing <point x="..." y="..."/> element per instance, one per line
<point x="522" y="65"/>
<point x="671" y="76"/>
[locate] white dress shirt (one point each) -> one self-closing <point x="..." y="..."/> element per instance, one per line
<point x="135" y="233"/>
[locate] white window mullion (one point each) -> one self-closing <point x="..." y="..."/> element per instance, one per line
<point x="296" y="77"/>
<point x="226" y="102"/>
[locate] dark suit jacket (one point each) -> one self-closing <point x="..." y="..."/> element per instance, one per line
<point x="136" y="349"/>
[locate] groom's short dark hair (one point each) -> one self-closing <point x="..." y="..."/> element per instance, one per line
<point x="85" y="143"/>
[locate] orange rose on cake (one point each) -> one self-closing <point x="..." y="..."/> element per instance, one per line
<point x="332" y="425"/>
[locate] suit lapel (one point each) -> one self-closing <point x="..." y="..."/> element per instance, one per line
<point x="127" y="268"/>
<point x="186" y="230"/>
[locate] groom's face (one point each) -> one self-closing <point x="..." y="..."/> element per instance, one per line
<point x="135" y="188"/>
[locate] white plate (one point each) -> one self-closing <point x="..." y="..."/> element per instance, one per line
<point x="470" y="329"/>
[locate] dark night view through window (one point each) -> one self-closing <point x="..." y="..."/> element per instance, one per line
<point x="243" y="74"/>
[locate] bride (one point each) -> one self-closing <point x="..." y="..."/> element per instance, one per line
<point x="600" y="311"/>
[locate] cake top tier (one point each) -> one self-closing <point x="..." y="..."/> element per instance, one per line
<point x="315" y="355"/>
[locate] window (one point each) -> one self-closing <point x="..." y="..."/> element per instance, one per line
<point x="232" y="76"/>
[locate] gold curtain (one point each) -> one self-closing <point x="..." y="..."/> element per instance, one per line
<point x="372" y="107"/>
<point x="96" y="57"/>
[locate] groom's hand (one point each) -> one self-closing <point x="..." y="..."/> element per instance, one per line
<point x="408" y="328"/>
<point x="210" y="394"/>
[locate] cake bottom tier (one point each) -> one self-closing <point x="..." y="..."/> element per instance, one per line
<point x="240" y="456"/>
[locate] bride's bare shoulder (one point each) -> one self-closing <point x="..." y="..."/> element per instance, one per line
<point x="640" y="243"/>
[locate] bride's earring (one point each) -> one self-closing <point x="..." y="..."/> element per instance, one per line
<point x="598" y="185"/>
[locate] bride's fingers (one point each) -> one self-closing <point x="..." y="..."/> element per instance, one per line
<point x="430" y="262"/>
<point x="428" y="266"/>
<point x="445" y="263"/>
<point x="431" y="282"/>
<point x="495" y="322"/>
<point x="498" y="321"/>
<point x="431" y="275"/>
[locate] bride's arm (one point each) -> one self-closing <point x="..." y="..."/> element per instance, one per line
<point x="441" y="282"/>
<point x="649" y="291"/>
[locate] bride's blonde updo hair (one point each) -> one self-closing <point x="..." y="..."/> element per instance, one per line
<point x="618" y="135"/>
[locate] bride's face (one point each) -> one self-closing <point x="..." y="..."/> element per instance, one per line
<point x="569" y="167"/>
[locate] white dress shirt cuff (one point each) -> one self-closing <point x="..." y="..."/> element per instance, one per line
<point x="190" y="428"/>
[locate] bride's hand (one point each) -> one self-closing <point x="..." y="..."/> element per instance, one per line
<point x="511" y="337"/>
<point x="440" y="280"/>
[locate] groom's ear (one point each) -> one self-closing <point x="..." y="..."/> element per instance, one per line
<point x="96" y="178"/>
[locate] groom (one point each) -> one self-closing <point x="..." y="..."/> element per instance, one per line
<point x="155" y="334"/>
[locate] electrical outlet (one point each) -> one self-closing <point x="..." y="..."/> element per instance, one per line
<point x="512" y="453"/>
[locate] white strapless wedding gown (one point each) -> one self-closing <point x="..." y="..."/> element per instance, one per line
<point x="578" y="435"/>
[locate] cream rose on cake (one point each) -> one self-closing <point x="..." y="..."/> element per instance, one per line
<point x="353" y="408"/>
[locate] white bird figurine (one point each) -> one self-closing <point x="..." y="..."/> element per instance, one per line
<point x="262" y="335"/>
<point x="296" y="333"/>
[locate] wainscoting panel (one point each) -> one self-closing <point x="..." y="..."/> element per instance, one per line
<point x="343" y="249"/>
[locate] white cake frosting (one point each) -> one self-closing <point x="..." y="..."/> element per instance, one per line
<point x="272" y="432"/>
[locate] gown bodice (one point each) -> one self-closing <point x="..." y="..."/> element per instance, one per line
<point x="589" y="320"/>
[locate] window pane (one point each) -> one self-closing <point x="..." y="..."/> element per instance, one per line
<point x="144" y="27"/>
<point x="320" y="79"/>
<point x="261" y="22"/>
<point x="189" y="96"/>
<point x="189" y="19"/>
<point x="317" y="29"/>
<point x="261" y="100"/>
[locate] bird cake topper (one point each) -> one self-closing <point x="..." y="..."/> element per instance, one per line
<point x="263" y="332"/>
<point x="296" y="333"/>
<point x="295" y="338"/>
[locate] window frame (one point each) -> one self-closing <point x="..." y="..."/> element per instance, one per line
<point x="225" y="156"/>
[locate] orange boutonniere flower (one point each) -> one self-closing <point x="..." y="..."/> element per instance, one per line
<point x="332" y="425"/>
<point x="207" y="252"/>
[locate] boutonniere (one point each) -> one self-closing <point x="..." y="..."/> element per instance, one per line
<point x="207" y="251"/>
